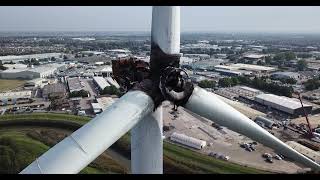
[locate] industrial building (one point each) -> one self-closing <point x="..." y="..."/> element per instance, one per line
<point x="285" y="75"/>
<point x="105" y="102"/>
<point x="265" y="121"/>
<point x="239" y="92"/>
<point x="15" y="59"/>
<point x="112" y="82"/>
<point x="188" y="141"/>
<point x="314" y="155"/>
<point x="254" y="58"/>
<point x="35" y="83"/>
<point x="246" y="67"/>
<point x="74" y="84"/>
<point x="197" y="56"/>
<point x="284" y="104"/>
<point x="20" y="72"/>
<point x="100" y="82"/>
<point x="18" y="97"/>
<point x="57" y="90"/>
<point x="97" y="109"/>
<point x="228" y="72"/>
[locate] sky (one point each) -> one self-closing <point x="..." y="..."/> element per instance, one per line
<point x="293" y="19"/>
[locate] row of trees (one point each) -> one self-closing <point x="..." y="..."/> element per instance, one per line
<point x="112" y="90"/>
<point x="312" y="84"/>
<point x="81" y="93"/>
<point x="207" y="84"/>
<point x="259" y="83"/>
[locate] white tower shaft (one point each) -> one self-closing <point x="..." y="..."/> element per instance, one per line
<point x="146" y="136"/>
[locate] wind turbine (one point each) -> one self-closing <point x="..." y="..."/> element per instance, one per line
<point x="140" y="111"/>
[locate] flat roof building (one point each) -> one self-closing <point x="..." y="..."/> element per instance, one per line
<point x="96" y="108"/>
<point x="105" y="102"/>
<point x="8" y="98"/>
<point x="23" y="72"/>
<point x="285" y="75"/>
<point x="74" y="84"/>
<point x="14" y="58"/>
<point x="188" y="141"/>
<point x="287" y="105"/>
<point x="54" y="90"/>
<point x="100" y="82"/>
<point x="247" y="67"/>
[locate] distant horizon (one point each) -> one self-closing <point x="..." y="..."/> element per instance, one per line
<point x="229" y="19"/>
<point x="148" y="32"/>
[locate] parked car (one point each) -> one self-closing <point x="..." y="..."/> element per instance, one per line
<point x="277" y="157"/>
<point x="266" y="155"/>
<point x="269" y="160"/>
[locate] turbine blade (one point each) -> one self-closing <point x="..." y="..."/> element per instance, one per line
<point x="209" y="106"/>
<point x="83" y="146"/>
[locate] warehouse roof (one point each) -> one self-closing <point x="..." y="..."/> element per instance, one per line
<point x="249" y="89"/>
<point x="74" y="84"/>
<point x="188" y="139"/>
<point x="254" y="56"/>
<point x="282" y="101"/>
<point x="38" y="69"/>
<point x="15" y="95"/>
<point x="54" y="88"/>
<point x="102" y="83"/>
<point x="248" y="67"/>
<point x="252" y="67"/>
<point x="105" y="102"/>
<point x="29" y="56"/>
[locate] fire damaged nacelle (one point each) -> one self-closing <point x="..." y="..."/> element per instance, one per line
<point x="165" y="82"/>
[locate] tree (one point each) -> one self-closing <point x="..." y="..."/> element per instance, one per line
<point x="312" y="84"/>
<point x="207" y="84"/>
<point x="112" y="90"/>
<point x="225" y="82"/>
<point x="81" y="93"/>
<point x="289" y="81"/>
<point x="302" y="65"/>
<point x="268" y="60"/>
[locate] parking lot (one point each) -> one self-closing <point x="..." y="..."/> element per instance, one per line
<point x="223" y="141"/>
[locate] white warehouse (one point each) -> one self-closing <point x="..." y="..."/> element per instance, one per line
<point x="100" y="82"/>
<point x="281" y="103"/>
<point x="188" y="141"/>
<point x="30" y="73"/>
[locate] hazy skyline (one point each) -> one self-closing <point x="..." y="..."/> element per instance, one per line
<point x="291" y="19"/>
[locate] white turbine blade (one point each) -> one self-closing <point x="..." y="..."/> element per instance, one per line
<point x="147" y="145"/>
<point x="83" y="146"/>
<point x="165" y="30"/>
<point x="208" y="105"/>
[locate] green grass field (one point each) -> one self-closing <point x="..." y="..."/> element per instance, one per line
<point x="26" y="150"/>
<point x="6" y="85"/>
<point x="177" y="159"/>
<point x="46" y="116"/>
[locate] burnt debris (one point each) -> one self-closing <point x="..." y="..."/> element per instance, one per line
<point x="162" y="79"/>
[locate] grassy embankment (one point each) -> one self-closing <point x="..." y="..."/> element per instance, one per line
<point x="177" y="159"/>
